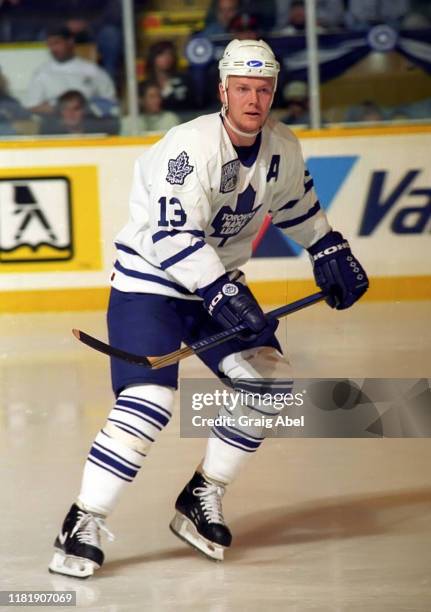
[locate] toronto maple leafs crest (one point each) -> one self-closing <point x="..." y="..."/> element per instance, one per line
<point x="231" y="221"/>
<point x="178" y="169"/>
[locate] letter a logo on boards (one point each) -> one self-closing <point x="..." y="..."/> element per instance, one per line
<point x="35" y="219"/>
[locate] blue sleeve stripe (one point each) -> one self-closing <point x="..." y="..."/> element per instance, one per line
<point x="308" y="186"/>
<point x="292" y="222"/>
<point x="171" y="261"/>
<point x="164" y="233"/>
<point x="292" y="203"/>
<point x="151" y="278"/>
<point x="126" y="249"/>
<point x="289" y="204"/>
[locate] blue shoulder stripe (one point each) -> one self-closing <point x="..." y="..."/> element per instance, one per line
<point x="151" y="278"/>
<point x="181" y="255"/>
<point x="292" y="222"/>
<point x="165" y="233"/>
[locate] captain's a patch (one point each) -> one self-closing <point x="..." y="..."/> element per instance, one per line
<point x="229" y="176"/>
<point x="178" y="169"/>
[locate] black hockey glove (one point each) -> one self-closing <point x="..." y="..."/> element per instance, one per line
<point x="231" y="303"/>
<point x="340" y="276"/>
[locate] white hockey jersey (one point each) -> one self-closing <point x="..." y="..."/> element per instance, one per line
<point x="195" y="208"/>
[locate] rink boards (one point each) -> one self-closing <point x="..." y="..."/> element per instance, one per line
<point x="63" y="201"/>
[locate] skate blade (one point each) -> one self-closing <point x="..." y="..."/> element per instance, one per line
<point x="71" y="566"/>
<point x="184" y="529"/>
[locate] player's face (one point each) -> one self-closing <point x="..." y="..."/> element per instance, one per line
<point x="249" y="101"/>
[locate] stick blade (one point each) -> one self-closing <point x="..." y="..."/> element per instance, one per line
<point x="76" y="333"/>
<point x="111" y="351"/>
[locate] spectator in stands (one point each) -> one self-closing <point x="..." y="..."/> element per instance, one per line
<point x="63" y="72"/>
<point x="221" y="13"/>
<point x="219" y="16"/>
<point x="363" y="14"/>
<point x="296" y="17"/>
<point x="153" y="117"/>
<point x="295" y="95"/>
<point x="162" y="68"/>
<point x="73" y="116"/>
<point x="10" y="109"/>
<point x="329" y="15"/>
<point x="108" y="34"/>
<point x="98" y="21"/>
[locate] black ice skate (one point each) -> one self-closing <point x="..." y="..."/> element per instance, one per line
<point x="199" y="518"/>
<point x="77" y="547"/>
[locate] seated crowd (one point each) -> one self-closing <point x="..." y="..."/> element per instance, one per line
<point x="71" y="95"/>
<point x="66" y="94"/>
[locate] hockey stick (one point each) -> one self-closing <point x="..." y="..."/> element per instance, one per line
<point x="196" y="347"/>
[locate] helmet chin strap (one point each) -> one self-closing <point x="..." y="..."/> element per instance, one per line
<point x="236" y="130"/>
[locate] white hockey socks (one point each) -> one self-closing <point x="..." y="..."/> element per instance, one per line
<point x="222" y="461"/>
<point x="119" y="450"/>
<point x="258" y="371"/>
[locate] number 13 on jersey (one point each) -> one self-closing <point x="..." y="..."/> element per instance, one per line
<point x="171" y="212"/>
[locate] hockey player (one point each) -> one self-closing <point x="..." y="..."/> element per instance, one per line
<point x="198" y="199"/>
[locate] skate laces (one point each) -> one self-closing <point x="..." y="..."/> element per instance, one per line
<point x="87" y="529"/>
<point x="210" y="499"/>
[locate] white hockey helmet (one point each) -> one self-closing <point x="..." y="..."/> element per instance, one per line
<point x="252" y="58"/>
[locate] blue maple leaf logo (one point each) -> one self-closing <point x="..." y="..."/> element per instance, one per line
<point x="178" y="169"/>
<point x="229" y="222"/>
